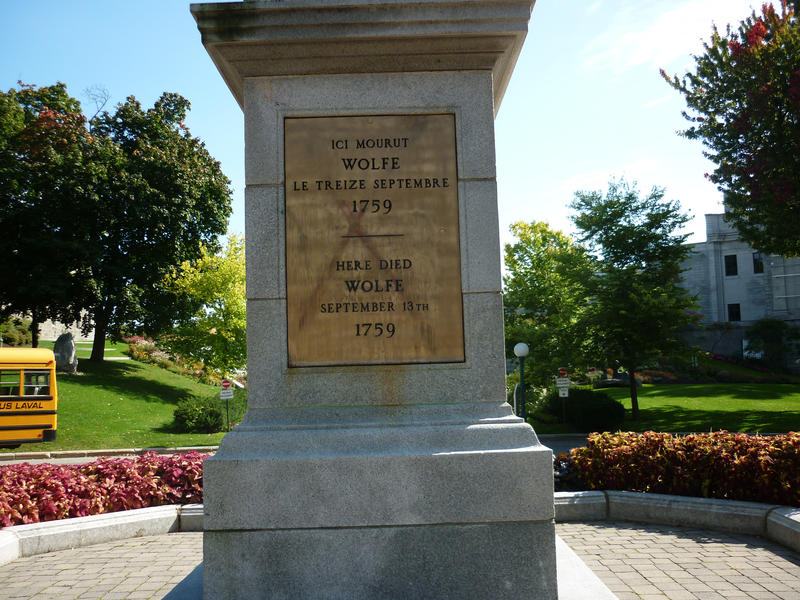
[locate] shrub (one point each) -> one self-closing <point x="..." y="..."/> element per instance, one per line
<point x="733" y="466"/>
<point x="45" y="492"/>
<point x="199" y="415"/>
<point x="586" y="409"/>
<point x="594" y="411"/>
<point x="207" y="414"/>
<point x="15" y="331"/>
<point x="147" y="351"/>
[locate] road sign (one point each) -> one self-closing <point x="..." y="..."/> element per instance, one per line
<point x="562" y="382"/>
<point x="563" y="392"/>
<point x="562" y="372"/>
<point x="226" y="394"/>
<point x="226" y="384"/>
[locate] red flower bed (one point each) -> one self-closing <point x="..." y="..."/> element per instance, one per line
<point x="45" y="492"/>
<point x="734" y="466"/>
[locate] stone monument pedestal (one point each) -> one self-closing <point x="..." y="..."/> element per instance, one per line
<point x="378" y="457"/>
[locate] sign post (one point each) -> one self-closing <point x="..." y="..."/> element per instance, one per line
<point x="562" y="383"/>
<point x="226" y="393"/>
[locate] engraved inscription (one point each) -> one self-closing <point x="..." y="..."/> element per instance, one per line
<point x="373" y="268"/>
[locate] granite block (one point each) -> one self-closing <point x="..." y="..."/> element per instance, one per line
<point x="448" y="561"/>
<point x="481" y="378"/>
<point x="783" y="526"/>
<point x="480" y="266"/>
<point x="9" y="547"/>
<point x="370" y="488"/>
<point x="707" y="513"/>
<point x="264" y="232"/>
<point x="37" y="538"/>
<point x="580" y="506"/>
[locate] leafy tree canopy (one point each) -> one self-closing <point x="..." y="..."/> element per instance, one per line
<point x="216" y="333"/>
<point x="744" y="101"/>
<point x="160" y="198"/>
<point x="44" y="153"/>
<point x="544" y="296"/>
<point x="96" y="216"/>
<point x="637" y="305"/>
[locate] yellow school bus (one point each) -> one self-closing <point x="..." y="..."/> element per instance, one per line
<point x="28" y="396"/>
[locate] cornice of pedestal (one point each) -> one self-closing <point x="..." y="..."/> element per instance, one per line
<point x="309" y="37"/>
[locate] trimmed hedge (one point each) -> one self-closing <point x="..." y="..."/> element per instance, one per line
<point x="732" y="466"/>
<point x="207" y="414"/>
<point x="46" y="492"/>
<point x="586" y="409"/>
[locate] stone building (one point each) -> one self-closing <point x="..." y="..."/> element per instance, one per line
<point x="737" y="286"/>
<point x="50" y="330"/>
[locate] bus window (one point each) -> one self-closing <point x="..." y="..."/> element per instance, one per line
<point x="9" y="383"/>
<point x="37" y="383"/>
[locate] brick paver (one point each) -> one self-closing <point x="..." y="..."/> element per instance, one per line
<point x="649" y="562"/>
<point x="641" y="562"/>
<point x="145" y="568"/>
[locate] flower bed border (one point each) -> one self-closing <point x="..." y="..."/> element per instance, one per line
<point x="780" y="524"/>
<point x="777" y="523"/>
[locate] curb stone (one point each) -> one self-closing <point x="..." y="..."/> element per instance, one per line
<point x="37" y="538"/>
<point x="776" y="523"/>
<point x="19" y="456"/>
<point x="780" y="524"/>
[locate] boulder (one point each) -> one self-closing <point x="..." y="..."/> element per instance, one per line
<point x="64" y="350"/>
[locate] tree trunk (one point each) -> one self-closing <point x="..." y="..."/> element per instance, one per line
<point x="634" y="395"/>
<point x="34" y="329"/>
<point x="99" y="343"/>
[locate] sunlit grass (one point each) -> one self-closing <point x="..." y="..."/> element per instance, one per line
<point x="123" y="404"/>
<point x="738" y="407"/>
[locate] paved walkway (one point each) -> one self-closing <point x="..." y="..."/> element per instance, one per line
<point x="136" y="569"/>
<point x="650" y="562"/>
<point x="635" y="561"/>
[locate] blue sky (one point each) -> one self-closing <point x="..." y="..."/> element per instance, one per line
<point x="585" y="104"/>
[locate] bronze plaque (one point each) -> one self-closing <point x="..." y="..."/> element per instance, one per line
<point x="373" y="265"/>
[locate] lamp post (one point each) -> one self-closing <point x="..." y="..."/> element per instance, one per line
<point x="521" y="351"/>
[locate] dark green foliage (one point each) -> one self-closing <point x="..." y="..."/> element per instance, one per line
<point x="744" y="98"/>
<point x="95" y="214"/>
<point x="45" y="152"/>
<point x="161" y="198"/>
<point x="207" y="415"/>
<point x="15" y="331"/>
<point x="637" y="305"/>
<point x="586" y="409"/>
<point x="773" y="337"/>
<point x="199" y="415"/>
<point x="544" y="294"/>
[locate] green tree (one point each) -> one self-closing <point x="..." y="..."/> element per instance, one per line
<point x="44" y="171"/>
<point x="544" y="296"/>
<point x="773" y="337"/>
<point x="216" y="333"/>
<point x="160" y="197"/>
<point x="744" y="98"/>
<point x="638" y="305"/>
<point x="95" y="218"/>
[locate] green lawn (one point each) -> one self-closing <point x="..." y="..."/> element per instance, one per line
<point x="84" y="349"/>
<point x="739" y="407"/>
<point x="122" y="404"/>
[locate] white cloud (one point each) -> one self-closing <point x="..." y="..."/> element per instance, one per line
<point x="641" y="35"/>
<point x="658" y="101"/>
<point x="643" y="170"/>
<point x="594" y="7"/>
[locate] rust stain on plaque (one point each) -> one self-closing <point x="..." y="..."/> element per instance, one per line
<point x="373" y="267"/>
